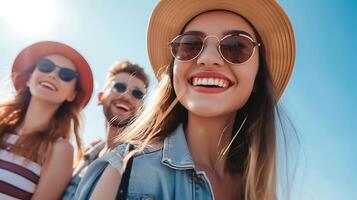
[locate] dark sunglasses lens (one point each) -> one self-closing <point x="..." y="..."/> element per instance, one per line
<point x="236" y="49"/>
<point x="45" y="65"/>
<point x="120" y="87"/>
<point x="137" y="94"/>
<point x="186" y="47"/>
<point x="67" y="74"/>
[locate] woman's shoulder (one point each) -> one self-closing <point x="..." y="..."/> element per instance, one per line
<point x="116" y="155"/>
<point x="122" y="149"/>
<point x="62" y="145"/>
<point x="61" y="155"/>
<point x="62" y="152"/>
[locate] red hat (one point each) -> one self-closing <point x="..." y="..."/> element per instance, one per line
<point x="28" y="57"/>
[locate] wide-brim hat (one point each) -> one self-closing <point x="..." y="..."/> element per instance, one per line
<point x="28" y="57"/>
<point x="268" y="18"/>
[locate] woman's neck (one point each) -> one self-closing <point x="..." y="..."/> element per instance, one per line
<point x="37" y="117"/>
<point x="207" y="139"/>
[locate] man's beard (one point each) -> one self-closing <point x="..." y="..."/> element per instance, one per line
<point x="114" y="120"/>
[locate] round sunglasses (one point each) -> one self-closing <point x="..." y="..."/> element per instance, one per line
<point x="122" y="87"/>
<point x="236" y="48"/>
<point x="64" y="73"/>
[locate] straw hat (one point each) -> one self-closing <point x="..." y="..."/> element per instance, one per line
<point x="267" y="17"/>
<point x="28" y="57"/>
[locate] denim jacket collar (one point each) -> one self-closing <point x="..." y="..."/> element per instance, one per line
<point x="175" y="152"/>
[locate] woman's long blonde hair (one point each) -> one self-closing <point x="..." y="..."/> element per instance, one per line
<point x="37" y="146"/>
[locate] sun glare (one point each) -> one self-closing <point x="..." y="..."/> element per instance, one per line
<point x="33" y="17"/>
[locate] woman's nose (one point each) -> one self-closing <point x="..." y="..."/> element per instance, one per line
<point x="210" y="55"/>
<point x="54" y="74"/>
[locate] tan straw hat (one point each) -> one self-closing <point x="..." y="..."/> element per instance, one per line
<point x="27" y="58"/>
<point x="267" y="17"/>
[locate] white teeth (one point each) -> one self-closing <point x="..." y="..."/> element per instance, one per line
<point x="210" y="81"/>
<point x="119" y="105"/>
<point x="220" y="83"/>
<point x="199" y="82"/>
<point x="195" y="81"/>
<point x="48" y="85"/>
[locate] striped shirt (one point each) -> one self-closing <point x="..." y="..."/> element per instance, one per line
<point x="18" y="179"/>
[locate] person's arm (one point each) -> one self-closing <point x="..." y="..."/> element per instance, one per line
<point x="56" y="173"/>
<point x="107" y="185"/>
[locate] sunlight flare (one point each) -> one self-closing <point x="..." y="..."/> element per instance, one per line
<point x="28" y="17"/>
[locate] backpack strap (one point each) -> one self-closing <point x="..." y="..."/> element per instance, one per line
<point x="123" y="186"/>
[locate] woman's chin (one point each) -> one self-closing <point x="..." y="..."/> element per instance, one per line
<point x="204" y="112"/>
<point x="50" y="100"/>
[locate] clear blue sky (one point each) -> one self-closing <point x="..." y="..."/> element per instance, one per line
<point x="319" y="99"/>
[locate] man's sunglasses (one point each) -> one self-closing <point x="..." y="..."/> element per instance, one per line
<point x="47" y="66"/>
<point x="234" y="48"/>
<point x="122" y="87"/>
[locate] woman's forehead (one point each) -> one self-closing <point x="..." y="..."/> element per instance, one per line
<point x="219" y="23"/>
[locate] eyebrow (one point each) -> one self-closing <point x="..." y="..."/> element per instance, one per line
<point x="199" y="33"/>
<point x="236" y="32"/>
<point x="143" y="91"/>
<point x="229" y="32"/>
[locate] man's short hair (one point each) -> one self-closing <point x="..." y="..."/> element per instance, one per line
<point x="130" y="68"/>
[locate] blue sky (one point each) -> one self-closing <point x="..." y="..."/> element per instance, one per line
<point x="319" y="99"/>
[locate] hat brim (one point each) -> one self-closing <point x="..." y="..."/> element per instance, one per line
<point x="268" y="18"/>
<point x="28" y="57"/>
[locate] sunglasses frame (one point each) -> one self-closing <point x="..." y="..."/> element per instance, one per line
<point x="255" y="44"/>
<point x="76" y="74"/>
<point x="126" y="89"/>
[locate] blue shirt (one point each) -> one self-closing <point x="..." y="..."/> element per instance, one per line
<point x="165" y="172"/>
<point x="78" y="173"/>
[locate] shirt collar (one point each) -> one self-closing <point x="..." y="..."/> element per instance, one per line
<point x="175" y="152"/>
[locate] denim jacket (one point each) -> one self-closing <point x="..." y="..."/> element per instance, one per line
<point x="163" y="172"/>
<point x="91" y="155"/>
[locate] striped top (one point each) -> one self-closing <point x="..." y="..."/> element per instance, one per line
<point x="18" y="180"/>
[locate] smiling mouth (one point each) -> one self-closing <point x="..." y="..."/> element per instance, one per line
<point x="122" y="107"/>
<point x="48" y="86"/>
<point x="210" y="82"/>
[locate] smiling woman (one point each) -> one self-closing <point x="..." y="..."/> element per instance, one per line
<point x="53" y="83"/>
<point x="28" y="17"/>
<point x="209" y="131"/>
